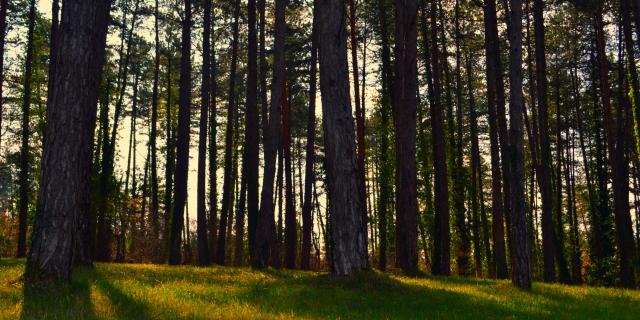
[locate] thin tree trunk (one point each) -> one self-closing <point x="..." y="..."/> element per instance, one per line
<point x="229" y="181"/>
<point x="213" y="155"/>
<point x="290" y="236"/>
<point x="153" y="214"/>
<point x="3" y="32"/>
<point x="266" y="249"/>
<point x="182" y="153"/>
<point x="309" y="180"/>
<point x="205" y="93"/>
<point x="23" y="203"/>
<point x="66" y="166"/>
<point x="252" y="135"/>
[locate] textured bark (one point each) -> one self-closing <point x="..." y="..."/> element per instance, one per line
<point x="405" y="108"/>
<point x="491" y="48"/>
<point x="229" y="182"/>
<point x="23" y="178"/>
<point x="205" y="92"/>
<point x="543" y="171"/>
<point x="182" y="151"/>
<point x="266" y="249"/>
<point x="348" y="247"/>
<point x="65" y="176"/>
<point x="309" y="179"/>
<point x="251" y="159"/>
<point x="442" y="236"/>
<point x="521" y="259"/>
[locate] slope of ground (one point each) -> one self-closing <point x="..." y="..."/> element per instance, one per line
<point x="130" y="291"/>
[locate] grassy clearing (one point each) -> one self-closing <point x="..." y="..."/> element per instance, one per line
<point x="129" y="291"/>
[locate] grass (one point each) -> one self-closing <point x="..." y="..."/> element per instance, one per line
<point x="136" y="291"/>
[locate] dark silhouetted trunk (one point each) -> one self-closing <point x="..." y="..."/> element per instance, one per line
<point x="543" y="171"/>
<point x="182" y="152"/>
<point x="3" y="33"/>
<point x="229" y="181"/>
<point x="309" y="175"/>
<point x="66" y="163"/>
<point x="521" y="259"/>
<point x="153" y="214"/>
<point x="405" y="108"/>
<point x="266" y="248"/>
<point x="251" y="159"/>
<point x="205" y="93"/>
<point x="442" y="236"/>
<point x="492" y="50"/>
<point x="290" y="233"/>
<point x="23" y="178"/>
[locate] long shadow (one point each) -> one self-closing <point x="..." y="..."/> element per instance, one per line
<point x="58" y="301"/>
<point x="124" y="305"/>
<point x="379" y="296"/>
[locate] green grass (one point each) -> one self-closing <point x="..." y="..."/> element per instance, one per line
<point x="130" y="291"/>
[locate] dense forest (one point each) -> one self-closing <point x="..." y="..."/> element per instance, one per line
<point x="478" y="138"/>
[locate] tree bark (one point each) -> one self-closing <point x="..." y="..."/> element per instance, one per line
<point x="153" y="214"/>
<point x="66" y="166"/>
<point x="521" y="259"/>
<point x="3" y="32"/>
<point x="405" y="108"/>
<point x="348" y="246"/>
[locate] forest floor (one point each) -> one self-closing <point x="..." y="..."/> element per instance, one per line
<point x="138" y="291"/>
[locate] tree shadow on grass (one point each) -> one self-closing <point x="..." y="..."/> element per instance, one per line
<point x="379" y="296"/>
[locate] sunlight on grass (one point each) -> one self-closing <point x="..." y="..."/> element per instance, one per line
<point x="128" y="291"/>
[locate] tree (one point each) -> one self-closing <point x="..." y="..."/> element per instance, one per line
<point x="348" y="246"/>
<point x="442" y="235"/>
<point x="155" y="219"/>
<point x="228" y="185"/>
<point x="23" y="205"/>
<point x="521" y="269"/>
<point x="203" y="244"/>
<point x="405" y="108"/>
<point x="252" y="135"/>
<point x="3" y="32"/>
<point x="66" y="164"/>
<point x="309" y="180"/>
<point x="543" y="170"/>
<point x="182" y="153"/>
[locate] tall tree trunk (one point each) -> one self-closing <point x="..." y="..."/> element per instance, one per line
<point x="491" y="37"/>
<point x="348" y="246"/>
<point x="153" y="214"/>
<point x="3" y="32"/>
<point x="290" y="236"/>
<point x="385" y="109"/>
<point x="464" y="245"/>
<point x="266" y="249"/>
<point x="405" y="108"/>
<point x="359" y="116"/>
<point x="252" y="135"/>
<point x="309" y="175"/>
<point x="229" y="181"/>
<point x="182" y="153"/>
<point x="66" y="165"/>
<point x="442" y="237"/>
<point x="239" y="221"/>
<point x="23" y="203"/>
<point x="521" y="269"/>
<point x="205" y="93"/>
<point x="213" y="155"/>
<point x="476" y="180"/>
<point x="170" y="162"/>
<point x="544" y="174"/>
